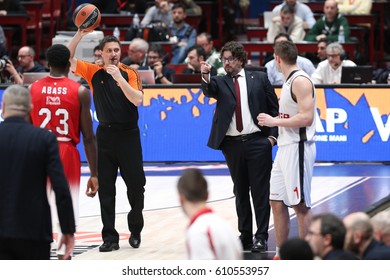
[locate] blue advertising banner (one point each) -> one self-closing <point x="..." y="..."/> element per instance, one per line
<point x="352" y="125"/>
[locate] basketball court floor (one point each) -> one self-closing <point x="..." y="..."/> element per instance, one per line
<point x="337" y="188"/>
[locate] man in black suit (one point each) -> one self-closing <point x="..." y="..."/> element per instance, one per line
<point x="247" y="147"/>
<point x="29" y="155"/>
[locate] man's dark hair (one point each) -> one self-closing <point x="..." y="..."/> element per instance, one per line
<point x="334" y="226"/>
<point x="192" y="185"/>
<point x="199" y="51"/>
<point x="108" y="39"/>
<point x="237" y="51"/>
<point x="325" y="40"/>
<point x="177" y="6"/>
<point x="58" y="56"/>
<point x="296" y="249"/>
<point x="283" y="35"/>
<point x="157" y="48"/>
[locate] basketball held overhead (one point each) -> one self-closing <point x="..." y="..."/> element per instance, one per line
<point x="86" y="17"/>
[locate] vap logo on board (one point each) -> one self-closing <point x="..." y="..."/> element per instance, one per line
<point x="339" y="116"/>
<point x="343" y="114"/>
<point x="353" y="123"/>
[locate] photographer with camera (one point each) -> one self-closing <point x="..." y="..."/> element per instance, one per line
<point x="162" y="74"/>
<point x="4" y="74"/>
<point x="9" y="75"/>
<point x="26" y="61"/>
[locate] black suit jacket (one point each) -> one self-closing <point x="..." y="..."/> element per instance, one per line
<point x="261" y="99"/>
<point x="28" y="156"/>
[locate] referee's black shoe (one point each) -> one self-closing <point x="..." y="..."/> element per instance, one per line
<point x="135" y="240"/>
<point x="108" y="246"/>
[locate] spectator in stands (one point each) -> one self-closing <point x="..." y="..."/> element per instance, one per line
<point x="182" y="32"/>
<point x="155" y="57"/>
<point x="274" y="75"/>
<point x="329" y="70"/>
<point x="27" y="63"/>
<point x="159" y="13"/>
<point x="114" y="7"/>
<point x="212" y="56"/>
<point x="381" y="76"/>
<point x="192" y="9"/>
<point x="26" y="60"/>
<point x="296" y="249"/>
<point x="196" y="54"/>
<point x="360" y="238"/>
<point x="320" y="55"/>
<point x="381" y="224"/>
<point x="326" y="237"/>
<point x="355" y="7"/>
<point x="97" y="56"/>
<point x="321" y="49"/>
<point x="301" y="10"/>
<point x="136" y="54"/>
<point x="286" y="22"/>
<point x="328" y="25"/>
<point x="153" y="24"/>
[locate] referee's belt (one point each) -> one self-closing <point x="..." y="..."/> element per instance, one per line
<point x="243" y="137"/>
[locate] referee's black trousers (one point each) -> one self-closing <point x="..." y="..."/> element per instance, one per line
<point x="120" y="147"/>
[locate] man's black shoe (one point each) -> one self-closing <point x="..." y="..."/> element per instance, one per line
<point x="108" y="246"/>
<point x="246" y="243"/>
<point x="135" y="241"/>
<point x="259" y="245"/>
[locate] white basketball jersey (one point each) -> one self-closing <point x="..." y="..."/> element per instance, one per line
<point x="288" y="108"/>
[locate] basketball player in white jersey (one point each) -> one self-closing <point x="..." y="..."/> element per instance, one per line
<point x="293" y="167"/>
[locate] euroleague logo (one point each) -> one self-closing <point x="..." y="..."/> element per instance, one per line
<point x="90" y="20"/>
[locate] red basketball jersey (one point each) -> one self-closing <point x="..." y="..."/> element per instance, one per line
<point x="56" y="107"/>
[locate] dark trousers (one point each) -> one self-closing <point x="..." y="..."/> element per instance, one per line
<point x="18" y="249"/>
<point x="120" y="148"/>
<point x="250" y="163"/>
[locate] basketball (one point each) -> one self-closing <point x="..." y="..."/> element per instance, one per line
<point x="86" y="17"/>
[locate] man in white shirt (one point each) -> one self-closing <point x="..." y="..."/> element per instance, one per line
<point x="286" y="22"/>
<point x="329" y="70"/>
<point x="301" y="10"/>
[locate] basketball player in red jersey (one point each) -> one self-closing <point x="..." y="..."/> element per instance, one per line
<point x="62" y="106"/>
